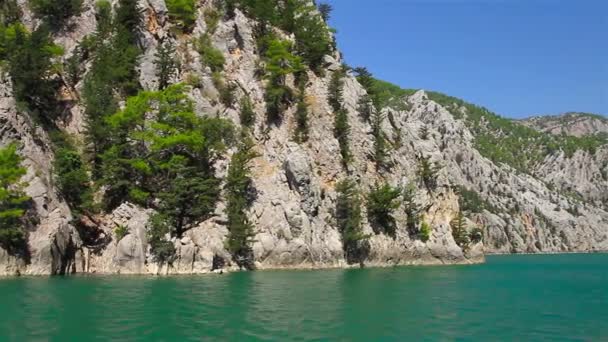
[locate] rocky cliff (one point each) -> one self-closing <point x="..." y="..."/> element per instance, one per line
<point x="556" y="206"/>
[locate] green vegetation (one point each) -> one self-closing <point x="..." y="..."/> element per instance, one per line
<point x="380" y="141"/>
<point x="72" y="179"/>
<point x="476" y="235"/>
<point x="425" y="232"/>
<point x="341" y="124"/>
<point x="380" y="93"/>
<point x="166" y="64"/>
<point x="56" y="12"/>
<point x="313" y="37"/>
<point x="162" y="249"/>
<point x="212" y="19"/>
<point x="301" y="131"/>
<point x="10" y="12"/>
<point x="335" y="89"/>
<point x="459" y="231"/>
<point x="506" y="141"/>
<point x="280" y="62"/>
<point x="342" y="133"/>
<point x="427" y="171"/>
<point x="325" y="10"/>
<point x="31" y="63"/>
<point x="238" y="198"/>
<point x="348" y="219"/>
<point x="247" y="115"/>
<point x="381" y="202"/>
<point x="411" y="208"/>
<point x="183" y="12"/>
<point x="121" y="232"/>
<point x="210" y="56"/>
<point x="113" y="72"/>
<point x="470" y="201"/>
<point x="13" y="201"/>
<point x="170" y="159"/>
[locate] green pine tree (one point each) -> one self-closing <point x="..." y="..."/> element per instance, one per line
<point x="13" y="201"/>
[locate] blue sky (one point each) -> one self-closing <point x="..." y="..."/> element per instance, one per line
<point x="515" y="57"/>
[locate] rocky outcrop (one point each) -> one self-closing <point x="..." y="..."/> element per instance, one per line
<point x="52" y="240"/>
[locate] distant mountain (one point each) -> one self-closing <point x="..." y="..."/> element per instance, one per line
<point x="573" y="123"/>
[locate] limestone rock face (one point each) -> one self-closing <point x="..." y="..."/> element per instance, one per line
<point x="295" y="184"/>
<point x="52" y="240"/>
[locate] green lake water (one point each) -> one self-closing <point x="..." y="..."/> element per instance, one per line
<point x="510" y="298"/>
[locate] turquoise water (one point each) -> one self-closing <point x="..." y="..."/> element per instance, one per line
<point x="525" y="297"/>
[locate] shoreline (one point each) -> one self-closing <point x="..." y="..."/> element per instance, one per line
<point x="301" y="267"/>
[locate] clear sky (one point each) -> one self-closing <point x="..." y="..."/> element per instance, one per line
<point x="515" y="57"/>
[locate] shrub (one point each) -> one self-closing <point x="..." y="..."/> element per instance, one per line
<point x="425" y="232"/>
<point x="212" y="18"/>
<point x="120" y="232"/>
<point x="182" y="11"/>
<point x="381" y="202"/>
<point x="210" y="56"/>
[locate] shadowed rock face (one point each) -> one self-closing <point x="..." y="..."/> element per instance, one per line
<point x="295" y="196"/>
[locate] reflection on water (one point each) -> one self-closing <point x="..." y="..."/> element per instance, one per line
<point x="510" y="298"/>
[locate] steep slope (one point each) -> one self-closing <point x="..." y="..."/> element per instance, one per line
<point x="446" y="157"/>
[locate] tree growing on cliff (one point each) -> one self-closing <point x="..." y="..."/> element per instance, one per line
<point x="411" y="209"/>
<point x="280" y="62"/>
<point x="459" y="231"/>
<point x="380" y="142"/>
<point x="183" y="12"/>
<point x="427" y="171"/>
<point x="31" y="65"/>
<point x="12" y="200"/>
<point x="238" y="188"/>
<point x="348" y="220"/>
<point x="301" y="131"/>
<point x="381" y="202"/>
<point x="168" y="162"/>
<point x="166" y="64"/>
<point x="56" y="12"/>
<point x="325" y="9"/>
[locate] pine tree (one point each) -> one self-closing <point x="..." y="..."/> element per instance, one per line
<point x="459" y="231"/>
<point x="56" y="12"/>
<point x="238" y="186"/>
<point x="342" y="133"/>
<point x="247" y="115"/>
<point x="12" y="200"/>
<point x="335" y="89"/>
<point x="380" y="144"/>
<point x="301" y="132"/>
<point x="381" y="202"/>
<point x="165" y="64"/>
<point x="427" y="171"/>
<point x="325" y="10"/>
<point x="411" y="208"/>
<point x="348" y="220"/>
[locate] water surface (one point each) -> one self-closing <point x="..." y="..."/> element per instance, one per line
<point x="523" y="297"/>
